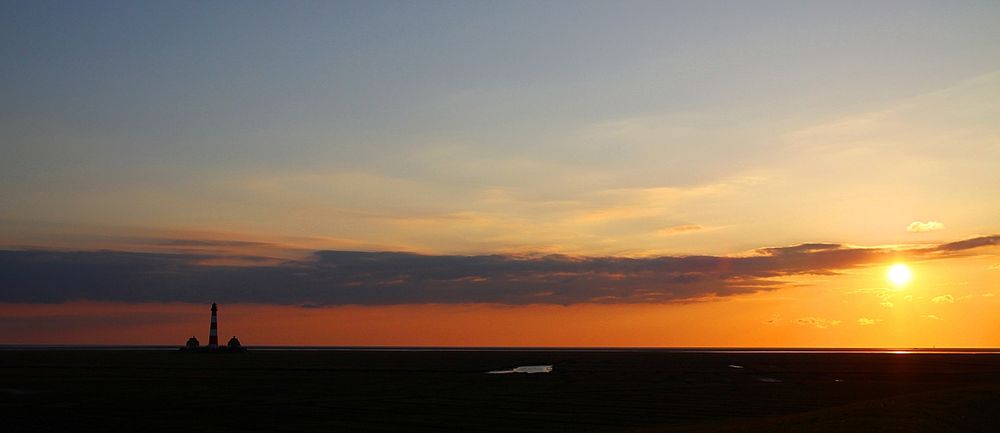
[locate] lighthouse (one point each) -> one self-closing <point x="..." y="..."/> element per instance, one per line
<point x="213" y="330"/>
<point x="234" y="345"/>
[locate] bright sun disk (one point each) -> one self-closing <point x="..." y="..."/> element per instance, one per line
<point x="899" y="274"/>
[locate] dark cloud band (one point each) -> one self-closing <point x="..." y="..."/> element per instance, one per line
<point x="381" y="278"/>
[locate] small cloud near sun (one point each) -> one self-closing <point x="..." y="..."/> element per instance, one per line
<point x="818" y="322"/>
<point x="921" y="226"/>
<point x="943" y="299"/>
<point x="931" y="316"/>
<point x="864" y="321"/>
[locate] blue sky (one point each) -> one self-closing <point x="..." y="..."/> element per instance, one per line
<point x="209" y="116"/>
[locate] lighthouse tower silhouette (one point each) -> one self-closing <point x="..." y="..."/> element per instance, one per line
<point x="213" y="330"/>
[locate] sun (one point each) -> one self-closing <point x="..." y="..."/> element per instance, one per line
<point x="899" y="274"/>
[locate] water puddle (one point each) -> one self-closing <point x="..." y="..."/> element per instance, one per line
<point x="15" y="391"/>
<point x="530" y="369"/>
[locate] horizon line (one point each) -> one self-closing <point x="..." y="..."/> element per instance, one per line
<point x="42" y="346"/>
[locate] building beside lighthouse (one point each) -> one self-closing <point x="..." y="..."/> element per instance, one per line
<point x="233" y="346"/>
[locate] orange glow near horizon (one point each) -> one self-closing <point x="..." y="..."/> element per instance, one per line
<point x="782" y="318"/>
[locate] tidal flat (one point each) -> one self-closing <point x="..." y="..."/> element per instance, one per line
<point x="447" y="391"/>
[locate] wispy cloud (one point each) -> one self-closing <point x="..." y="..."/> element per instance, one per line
<point x="921" y="226"/>
<point x="685" y="228"/>
<point x="864" y="321"/>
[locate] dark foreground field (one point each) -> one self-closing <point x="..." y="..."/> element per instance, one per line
<point x="291" y="391"/>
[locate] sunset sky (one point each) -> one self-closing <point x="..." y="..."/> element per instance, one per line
<point x="501" y="173"/>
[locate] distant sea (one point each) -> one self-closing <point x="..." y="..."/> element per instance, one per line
<point x="763" y="350"/>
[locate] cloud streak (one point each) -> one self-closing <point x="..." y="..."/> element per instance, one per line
<point x="968" y="244"/>
<point x="386" y="278"/>
<point x="685" y="228"/>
